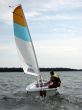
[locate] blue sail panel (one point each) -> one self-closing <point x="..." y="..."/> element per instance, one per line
<point x="22" y="32"/>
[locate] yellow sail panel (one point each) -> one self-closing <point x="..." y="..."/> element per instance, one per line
<point x="18" y="16"/>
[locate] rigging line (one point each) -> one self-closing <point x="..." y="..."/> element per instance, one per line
<point x="40" y="76"/>
<point x="17" y="14"/>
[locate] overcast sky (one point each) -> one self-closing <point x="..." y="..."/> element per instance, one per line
<point x="55" y="27"/>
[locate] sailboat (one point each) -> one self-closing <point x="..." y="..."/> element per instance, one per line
<point x="27" y="55"/>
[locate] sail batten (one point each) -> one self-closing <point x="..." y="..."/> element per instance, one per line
<point x="24" y="43"/>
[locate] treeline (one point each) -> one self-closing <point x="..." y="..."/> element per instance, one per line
<point x="59" y="69"/>
<point x="41" y="69"/>
<point x="11" y="70"/>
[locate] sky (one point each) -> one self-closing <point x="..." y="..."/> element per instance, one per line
<point x="55" y="27"/>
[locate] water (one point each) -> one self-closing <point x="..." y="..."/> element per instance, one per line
<point x="13" y="95"/>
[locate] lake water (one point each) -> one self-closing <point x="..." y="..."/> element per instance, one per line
<point x="13" y="94"/>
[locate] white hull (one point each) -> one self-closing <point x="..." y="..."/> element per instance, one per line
<point x="35" y="90"/>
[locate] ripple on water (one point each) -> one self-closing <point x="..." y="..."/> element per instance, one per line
<point x="21" y="100"/>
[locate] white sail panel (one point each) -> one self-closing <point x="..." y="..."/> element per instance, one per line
<point x="27" y="57"/>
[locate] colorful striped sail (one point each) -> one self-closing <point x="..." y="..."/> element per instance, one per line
<point x="24" y="43"/>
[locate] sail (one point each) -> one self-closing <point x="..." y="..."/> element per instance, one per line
<point x="24" y="42"/>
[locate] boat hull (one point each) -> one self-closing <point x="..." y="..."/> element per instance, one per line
<point x="35" y="90"/>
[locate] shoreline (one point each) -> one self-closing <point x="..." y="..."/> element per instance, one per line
<point x="41" y="69"/>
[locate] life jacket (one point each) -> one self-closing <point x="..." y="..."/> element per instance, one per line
<point x="55" y="82"/>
